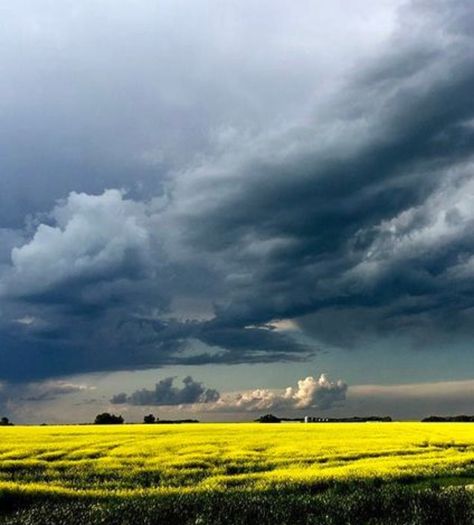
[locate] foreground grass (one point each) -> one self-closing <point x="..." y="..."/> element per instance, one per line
<point x="390" y="504"/>
<point x="238" y="473"/>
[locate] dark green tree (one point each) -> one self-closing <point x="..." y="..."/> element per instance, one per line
<point x="149" y="419"/>
<point x="269" y="418"/>
<point x="108" y="419"/>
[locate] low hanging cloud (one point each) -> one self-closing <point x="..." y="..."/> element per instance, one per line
<point x="50" y="390"/>
<point x="13" y="395"/>
<point x="165" y="394"/>
<point x="310" y="393"/>
<point x="317" y="393"/>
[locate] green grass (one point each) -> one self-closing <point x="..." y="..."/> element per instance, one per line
<point x="390" y="504"/>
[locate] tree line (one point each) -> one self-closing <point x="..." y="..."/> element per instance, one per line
<point x="111" y="419"/>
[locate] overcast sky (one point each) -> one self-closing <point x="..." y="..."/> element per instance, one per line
<point x="220" y="208"/>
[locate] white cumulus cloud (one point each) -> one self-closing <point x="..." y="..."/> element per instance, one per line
<point x="310" y="392"/>
<point x="89" y="238"/>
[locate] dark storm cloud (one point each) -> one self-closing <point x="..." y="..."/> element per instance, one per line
<point x="318" y="219"/>
<point x="165" y="393"/>
<point x="104" y="337"/>
<point x="358" y="212"/>
<point x="110" y="94"/>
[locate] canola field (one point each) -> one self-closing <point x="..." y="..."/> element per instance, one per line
<point x="136" y="460"/>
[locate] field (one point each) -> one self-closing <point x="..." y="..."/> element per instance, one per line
<point x="92" y="469"/>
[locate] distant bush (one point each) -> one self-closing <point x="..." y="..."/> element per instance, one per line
<point x="269" y="418"/>
<point x="149" y="419"/>
<point x="448" y="419"/>
<point x="5" y="422"/>
<point x="108" y="419"/>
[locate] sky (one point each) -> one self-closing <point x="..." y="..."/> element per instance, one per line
<point x="223" y="209"/>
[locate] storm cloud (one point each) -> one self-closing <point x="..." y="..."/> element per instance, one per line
<point x="185" y="206"/>
<point x="365" y="204"/>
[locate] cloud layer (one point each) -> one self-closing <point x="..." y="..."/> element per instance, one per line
<point x="342" y="202"/>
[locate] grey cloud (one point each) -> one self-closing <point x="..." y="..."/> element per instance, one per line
<point x="296" y="220"/>
<point x="50" y="390"/>
<point x="15" y="395"/>
<point x="9" y="239"/>
<point x="111" y="96"/>
<point x="117" y="340"/>
<point x="165" y="394"/>
<point x="356" y="211"/>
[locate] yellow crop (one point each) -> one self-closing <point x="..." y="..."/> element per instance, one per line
<point x="148" y="459"/>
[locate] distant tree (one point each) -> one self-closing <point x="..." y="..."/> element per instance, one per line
<point x="5" y="422"/>
<point x="269" y="418"/>
<point x="108" y="419"/>
<point x="449" y="419"/>
<point x="149" y="419"/>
